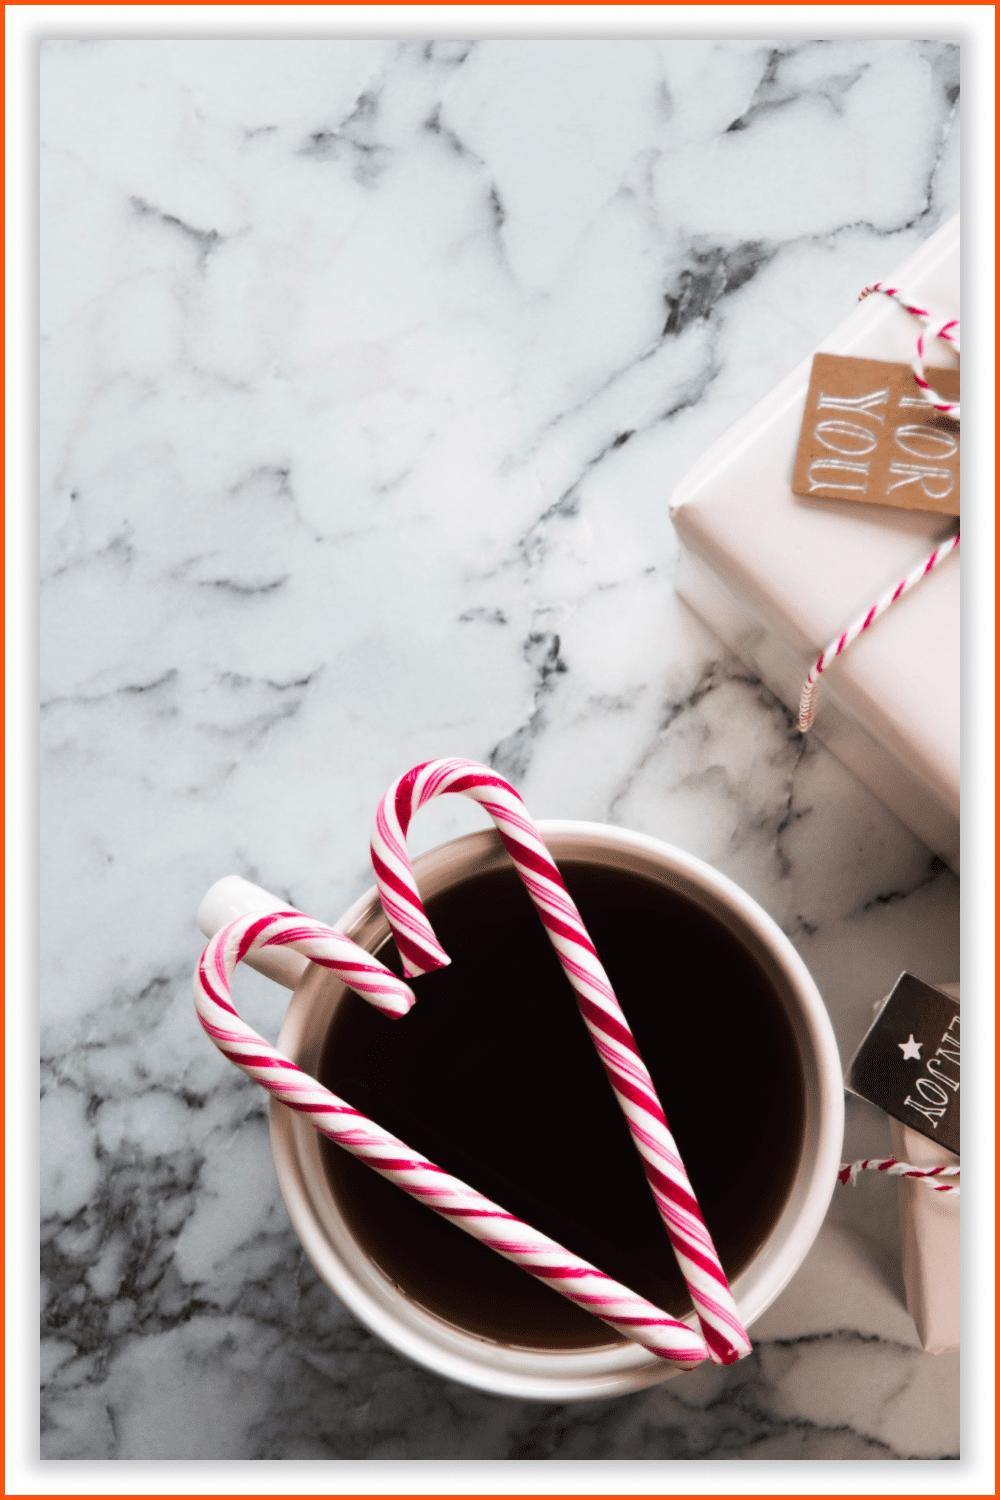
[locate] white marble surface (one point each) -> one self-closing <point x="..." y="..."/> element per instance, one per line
<point x="367" y="371"/>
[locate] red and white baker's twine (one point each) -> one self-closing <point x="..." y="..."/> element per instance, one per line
<point x="807" y="701"/>
<point x="849" y="1171"/>
<point x="421" y="952"/>
<point x="625" y="1311"/>
<point x="942" y="329"/>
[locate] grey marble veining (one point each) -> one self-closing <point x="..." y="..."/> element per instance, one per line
<point x="367" y="371"/>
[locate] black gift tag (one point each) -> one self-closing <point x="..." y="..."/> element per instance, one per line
<point x="908" y="1064"/>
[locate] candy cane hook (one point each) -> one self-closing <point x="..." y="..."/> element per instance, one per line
<point x="421" y="952"/>
<point x="579" y="1281"/>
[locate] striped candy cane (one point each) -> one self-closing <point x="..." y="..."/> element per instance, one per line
<point x="807" y="701"/>
<point x="421" y="952"/>
<point x="625" y="1311"/>
<point x="848" y="1174"/>
<point x="940" y="328"/>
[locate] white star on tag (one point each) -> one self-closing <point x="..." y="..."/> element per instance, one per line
<point x="910" y="1049"/>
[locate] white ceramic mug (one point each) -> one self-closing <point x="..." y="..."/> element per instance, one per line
<point x="455" y="1352"/>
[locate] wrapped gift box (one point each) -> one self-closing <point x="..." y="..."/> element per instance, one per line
<point x="930" y="1227"/>
<point x="778" y="576"/>
<point x="929" y="1219"/>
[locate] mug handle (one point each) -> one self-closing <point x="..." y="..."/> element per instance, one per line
<point x="233" y="897"/>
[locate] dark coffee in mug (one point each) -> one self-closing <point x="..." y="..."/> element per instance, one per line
<point x="493" y="1076"/>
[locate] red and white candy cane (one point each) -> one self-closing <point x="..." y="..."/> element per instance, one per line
<point x="940" y="328"/>
<point x="625" y="1311"/>
<point x="807" y="701"/>
<point x="421" y="952"/>
<point x="848" y="1174"/>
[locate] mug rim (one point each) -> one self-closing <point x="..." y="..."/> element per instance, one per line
<point x="606" y="1369"/>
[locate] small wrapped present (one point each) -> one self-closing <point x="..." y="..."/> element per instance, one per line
<point x="909" y="1065"/>
<point x="930" y="1225"/>
<point x="778" y="575"/>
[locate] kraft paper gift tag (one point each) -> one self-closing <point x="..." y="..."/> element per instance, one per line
<point x="869" y="436"/>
